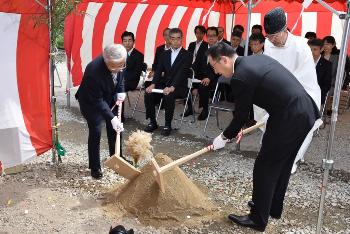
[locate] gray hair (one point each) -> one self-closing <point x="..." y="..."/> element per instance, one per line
<point x="114" y="52"/>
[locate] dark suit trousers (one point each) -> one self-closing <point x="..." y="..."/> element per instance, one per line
<point x="204" y="92"/>
<point x="151" y="100"/>
<point x="273" y="166"/>
<point x="95" y="123"/>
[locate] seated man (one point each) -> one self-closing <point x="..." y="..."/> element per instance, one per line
<point x="174" y="64"/>
<point x="236" y="38"/>
<point x="205" y="73"/>
<point x="323" y="67"/>
<point x="159" y="51"/>
<point x="257" y="28"/>
<point x="221" y="37"/>
<point x="134" y="61"/>
<point x="256" y="42"/>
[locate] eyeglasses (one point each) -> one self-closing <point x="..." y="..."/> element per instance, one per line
<point x="217" y="61"/>
<point x="273" y="36"/>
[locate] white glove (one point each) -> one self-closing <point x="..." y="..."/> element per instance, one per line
<point x="120" y="98"/>
<point x="117" y="125"/>
<point x="219" y="143"/>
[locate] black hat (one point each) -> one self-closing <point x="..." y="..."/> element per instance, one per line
<point x="275" y="21"/>
<point x="120" y="229"/>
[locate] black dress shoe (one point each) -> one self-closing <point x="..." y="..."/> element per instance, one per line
<point x="151" y="127"/>
<point x="188" y="112"/>
<point x="166" y="131"/>
<point x="96" y="174"/>
<point x="251" y="204"/>
<point x="245" y="221"/>
<point x="203" y="115"/>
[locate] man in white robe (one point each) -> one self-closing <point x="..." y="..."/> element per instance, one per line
<point x="294" y="54"/>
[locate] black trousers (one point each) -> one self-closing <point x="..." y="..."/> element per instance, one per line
<point x="152" y="99"/>
<point x="273" y="165"/>
<point x="95" y="123"/>
<point x="204" y="93"/>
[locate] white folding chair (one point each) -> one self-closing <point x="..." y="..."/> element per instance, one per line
<point x="188" y="96"/>
<point x="218" y="105"/>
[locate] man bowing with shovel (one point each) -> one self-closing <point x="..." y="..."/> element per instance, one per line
<point x="262" y="81"/>
<point x="101" y="89"/>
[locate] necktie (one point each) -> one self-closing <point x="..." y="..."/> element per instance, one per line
<point x="115" y="78"/>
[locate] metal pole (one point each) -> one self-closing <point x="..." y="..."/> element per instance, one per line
<point x="238" y="145"/>
<point x="248" y="27"/>
<point x="52" y="84"/>
<point x="328" y="162"/>
<point x="68" y="85"/>
<point x="233" y="18"/>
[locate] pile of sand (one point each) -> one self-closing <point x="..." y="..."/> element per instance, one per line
<point x="182" y="198"/>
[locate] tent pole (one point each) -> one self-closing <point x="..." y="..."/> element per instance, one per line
<point x="250" y="6"/>
<point x="248" y="27"/>
<point x="233" y="17"/>
<point x="327" y="163"/>
<point x="52" y="83"/>
<point x="68" y="86"/>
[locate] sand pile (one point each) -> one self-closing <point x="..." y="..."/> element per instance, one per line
<point x="182" y="198"/>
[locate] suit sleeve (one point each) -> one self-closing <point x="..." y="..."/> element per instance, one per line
<point x="95" y="96"/>
<point x="182" y="72"/>
<point x="243" y="102"/>
<point x="135" y="71"/>
<point x="156" y="58"/>
<point x="121" y="86"/>
<point x="200" y="66"/>
<point x="327" y="81"/>
<point x="159" y="69"/>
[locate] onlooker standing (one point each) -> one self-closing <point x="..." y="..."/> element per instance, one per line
<point x="323" y="68"/>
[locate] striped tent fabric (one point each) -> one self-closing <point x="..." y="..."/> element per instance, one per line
<point x="25" y="124"/>
<point x="103" y="22"/>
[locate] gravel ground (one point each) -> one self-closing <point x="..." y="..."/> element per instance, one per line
<point x="47" y="198"/>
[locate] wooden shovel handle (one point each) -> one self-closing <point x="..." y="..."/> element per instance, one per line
<point x="117" y="145"/>
<point x="186" y="158"/>
<point x="257" y="125"/>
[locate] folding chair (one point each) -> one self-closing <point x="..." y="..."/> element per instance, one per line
<point x="189" y="96"/>
<point x="140" y="89"/>
<point x="217" y="104"/>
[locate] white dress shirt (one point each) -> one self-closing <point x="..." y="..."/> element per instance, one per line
<point x="174" y="54"/>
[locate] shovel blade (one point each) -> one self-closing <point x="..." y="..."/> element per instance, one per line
<point x="122" y="167"/>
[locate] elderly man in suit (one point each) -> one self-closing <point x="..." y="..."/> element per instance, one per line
<point x="134" y="62"/>
<point x="102" y="87"/>
<point x="262" y="81"/>
<point x="221" y="37"/>
<point x="174" y="64"/>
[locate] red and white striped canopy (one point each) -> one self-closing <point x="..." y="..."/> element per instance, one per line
<point x="105" y="21"/>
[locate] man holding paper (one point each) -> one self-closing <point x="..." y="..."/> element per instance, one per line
<point x="174" y="64"/>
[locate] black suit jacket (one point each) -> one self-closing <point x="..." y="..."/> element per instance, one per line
<point x="261" y="80"/>
<point x="133" y="69"/>
<point x="324" y="76"/>
<point x="240" y="51"/>
<point x="175" y="75"/>
<point x="226" y="41"/>
<point x="201" y="50"/>
<point x="97" y="91"/>
<point x="203" y="69"/>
